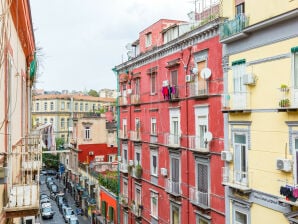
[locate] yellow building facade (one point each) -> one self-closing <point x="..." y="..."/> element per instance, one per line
<point x="61" y="109"/>
<point x="260" y="106"/>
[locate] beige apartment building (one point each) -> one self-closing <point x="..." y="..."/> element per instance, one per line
<point x="61" y="109"/>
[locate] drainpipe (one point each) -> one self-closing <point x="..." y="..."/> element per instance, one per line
<point x="118" y="143"/>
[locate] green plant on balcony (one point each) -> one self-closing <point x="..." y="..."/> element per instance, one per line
<point x="138" y="171"/>
<point x="129" y="169"/>
<point x="284" y="103"/>
<point x="284" y="88"/>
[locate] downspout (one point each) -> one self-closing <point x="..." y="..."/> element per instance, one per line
<point x="187" y="131"/>
<point x="118" y="143"/>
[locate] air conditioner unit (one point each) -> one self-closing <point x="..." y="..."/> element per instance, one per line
<point x="188" y="78"/>
<point x="164" y="171"/>
<point x="284" y="165"/>
<point x="226" y="156"/>
<point x="91" y="153"/>
<point x="131" y="162"/>
<point x="249" y="79"/>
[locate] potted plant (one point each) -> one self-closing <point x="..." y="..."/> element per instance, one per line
<point x="284" y="103"/>
<point x="129" y="168"/>
<point x="138" y="171"/>
<point x="284" y="88"/>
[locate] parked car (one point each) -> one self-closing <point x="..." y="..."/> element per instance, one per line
<point x="63" y="205"/>
<point x="47" y="211"/>
<point x="51" y="173"/>
<point x="54" y="189"/>
<point x="73" y="220"/>
<point x="49" y="184"/>
<point x="67" y="212"/>
<point x="44" y="200"/>
<point x="43" y="195"/>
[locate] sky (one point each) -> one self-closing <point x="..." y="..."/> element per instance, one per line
<point x="80" y="41"/>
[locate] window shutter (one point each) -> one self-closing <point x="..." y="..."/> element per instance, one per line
<point x="203" y="178"/>
<point x="103" y="208"/>
<point x="111" y="213"/>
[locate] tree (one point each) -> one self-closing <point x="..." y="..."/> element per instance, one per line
<point x="93" y="92"/>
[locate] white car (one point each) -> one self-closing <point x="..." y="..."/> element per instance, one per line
<point x="47" y="211"/>
<point x="67" y="212"/>
<point x="73" y="220"/>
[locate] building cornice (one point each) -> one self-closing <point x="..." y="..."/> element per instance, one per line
<point x="184" y="41"/>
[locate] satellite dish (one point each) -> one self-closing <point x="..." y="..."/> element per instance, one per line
<point x="208" y="136"/>
<point x="205" y="73"/>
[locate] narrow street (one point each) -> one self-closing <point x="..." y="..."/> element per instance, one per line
<point x="58" y="218"/>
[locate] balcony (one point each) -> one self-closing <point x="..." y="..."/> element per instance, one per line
<point x="199" y="198"/>
<point x="123" y="167"/>
<point x="236" y="179"/>
<point x="123" y="134"/>
<point x="199" y="89"/>
<point x="153" y="139"/>
<point x="122" y="101"/>
<point x="137" y="172"/>
<point x="232" y="27"/>
<point x="172" y="140"/>
<point x="197" y="144"/>
<point x="236" y="102"/>
<point x="135" y="99"/>
<point x="136" y="210"/>
<point x="173" y="187"/>
<point x="135" y="136"/>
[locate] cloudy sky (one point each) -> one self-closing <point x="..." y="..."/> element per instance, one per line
<point x="82" y="40"/>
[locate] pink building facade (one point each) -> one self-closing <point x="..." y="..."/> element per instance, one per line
<point x="171" y="126"/>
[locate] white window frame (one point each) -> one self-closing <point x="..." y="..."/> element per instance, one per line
<point x="37" y="106"/>
<point x="45" y="106"/>
<point x="62" y="105"/>
<point x="201" y="116"/>
<point x="124" y="149"/>
<point x="62" y="122"/>
<point x="154" y="208"/>
<point x="153" y="84"/>
<point x="125" y="187"/>
<point x="125" y="217"/>
<point x="239" y="177"/>
<point x="148" y="39"/>
<point x="203" y="162"/>
<point x="242" y="210"/>
<point x="153" y="126"/>
<point x="138" y="196"/>
<point x="87" y="133"/>
<point x="172" y="205"/>
<point x="295" y="78"/>
<point x="137" y="151"/>
<point x="153" y="172"/>
<point x="86" y="107"/>
<point x="81" y="106"/>
<point x="124" y="127"/>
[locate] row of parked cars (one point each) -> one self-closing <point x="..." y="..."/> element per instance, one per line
<point x="61" y="201"/>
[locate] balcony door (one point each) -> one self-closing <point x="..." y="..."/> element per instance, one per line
<point x="175" y="175"/>
<point x="239" y="95"/>
<point x="240" y="150"/>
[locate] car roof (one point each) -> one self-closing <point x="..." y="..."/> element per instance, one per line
<point x="45" y="205"/>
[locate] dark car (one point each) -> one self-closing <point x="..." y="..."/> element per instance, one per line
<point x="51" y="173"/>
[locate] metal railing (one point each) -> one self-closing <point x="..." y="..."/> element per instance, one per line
<point x="236" y="101"/>
<point x="123" y="134"/>
<point x="198" y="88"/>
<point x="196" y="143"/>
<point x="234" y="26"/>
<point x="135" y="99"/>
<point x="198" y="197"/>
<point x="123" y="167"/>
<point x="172" y="140"/>
<point x="235" y="178"/>
<point x="173" y="187"/>
<point x="123" y="100"/>
<point x="135" y="135"/>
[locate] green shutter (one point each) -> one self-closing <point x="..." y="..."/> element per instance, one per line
<point x="294" y="49"/>
<point x="111" y="213"/>
<point x="103" y="208"/>
<point x="238" y="62"/>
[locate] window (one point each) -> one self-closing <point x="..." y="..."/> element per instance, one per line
<point x="124" y="127"/>
<point x="37" y="106"/>
<point x="201" y="220"/>
<point x="68" y="122"/>
<point x="52" y="106"/>
<point x="239" y="95"/>
<point x="174" y="127"/>
<point x="87" y="133"/>
<point x="154" y="204"/>
<point x="175" y="174"/>
<point x="125" y="217"/>
<point x="138" y="160"/>
<point x="295" y="150"/>
<point x="111" y="158"/>
<point x="76" y="106"/>
<point x="81" y="106"/>
<point x="63" y="105"/>
<point x="148" y="39"/>
<point x="45" y="106"/>
<point x="45" y="120"/>
<point x="137" y="86"/>
<point x="201" y="114"/>
<point x="202" y="174"/>
<point x="174" y="78"/>
<point x="86" y="107"/>
<point x="124" y="153"/>
<point x="175" y="214"/>
<point x="52" y="120"/>
<point x="68" y="105"/>
<point x="240" y="158"/>
<point x="154" y="165"/>
<point x="37" y="121"/>
<point x="62" y="123"/>
<point x="125" y="187"/>
<point x="153" y="84"/>
<point x="240" y="9"/>
<point x="138" y="195"/>
<point x="241" y="213"/>
<point x="153" y="126"/>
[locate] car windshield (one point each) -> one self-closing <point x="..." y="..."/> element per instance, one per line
<point x="69" y="212"/>
<point x="47" y="209"/>
<point x="54" y="187"/>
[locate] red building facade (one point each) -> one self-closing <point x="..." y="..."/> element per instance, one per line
<point x="171" y="126"/>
